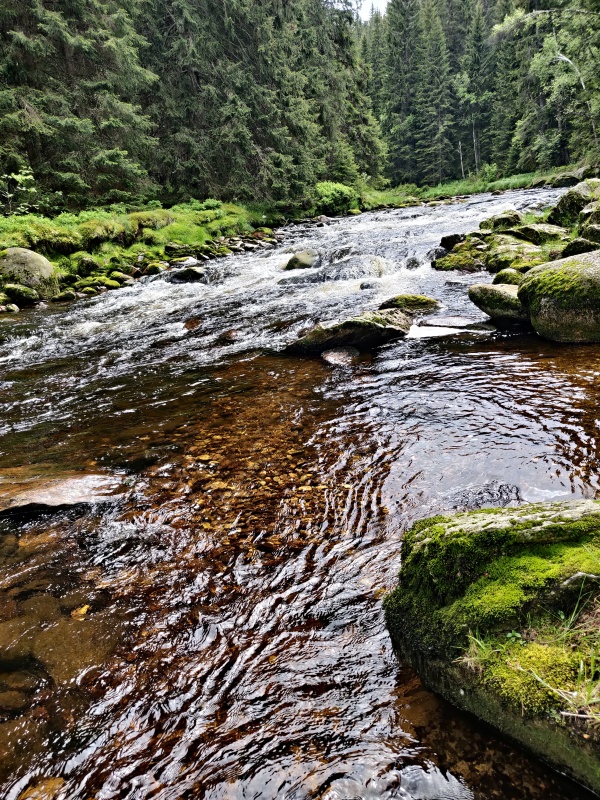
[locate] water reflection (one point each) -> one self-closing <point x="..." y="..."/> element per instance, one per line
<point x="218" y="633"/>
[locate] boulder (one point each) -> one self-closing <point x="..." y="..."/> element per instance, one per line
<point x="364" y="332"/>
<point x="591" y="213"/>
<point x="9" y="308"/>
<point x="565" y="179"/>
<point x="451" y="240"/>
<point x="467" y="261"/>
<point x="563" y="298"/>
<point x="508" y="276"/>
<point x="539" y="233"/>
<point x="187" y="275"/>
<point x="303" y="260"/>
<point x="500" y="301"/>
<point x="26" y="268"/>
<point x="508" y="219"/>
<point x="23" y="296"/>
<point x="65" y="297"/>
<point x="591" y="232"/>
<point x="411" y="303"/>
<point x="578" y="246"/>
<point x="475" y="611"/>
<point x="568" y="208"/>
<point x="504" y="250"/>
<point x="154" y="268"/>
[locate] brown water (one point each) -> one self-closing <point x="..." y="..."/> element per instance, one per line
<point x="217" y="632"/>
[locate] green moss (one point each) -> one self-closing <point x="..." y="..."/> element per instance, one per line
<point x="509" y="276"/>
<point x="484" y="570"/>
<point x="462" y="260"/>
<point x="412" y="303"/>
<point x="512" y="675"/>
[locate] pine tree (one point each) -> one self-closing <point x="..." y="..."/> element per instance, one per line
<point x="402" y="76"/>
<point x="433" y="117"/>
<point x="71" y="78"/>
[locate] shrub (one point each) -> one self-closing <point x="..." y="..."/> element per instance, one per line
<point x="335" y="198"/>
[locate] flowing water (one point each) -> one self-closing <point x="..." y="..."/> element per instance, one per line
<point x="216" y="631"/>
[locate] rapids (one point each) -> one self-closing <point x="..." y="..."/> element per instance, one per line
<point x="217" y="631"/>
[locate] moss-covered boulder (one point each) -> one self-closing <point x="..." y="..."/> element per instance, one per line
<point x="566" y="211"/>
<point x="579" y="245"/>
<point x="303" y="260"/>
<point x="498" y="301"/>
<point x="468" y="261"/>
<point x="590" y="213"/>
<point x="508" y="276"/>
<point x="23" y="296"/>
<point x="491" y="608"/>
<point x="562" y="298"/>
<point x="65" y="297"/>
<point x="96" y="281"/>
<point x="411" y="303"/>
<point x="26" y="268"/>
<point x="504" y="250"/>
<point x="508" y="219"/>
<point x="591" y="232"/>
<point x="539" y="233"/>
<point x="364" y="332"/>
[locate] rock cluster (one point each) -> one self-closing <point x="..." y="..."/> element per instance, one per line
<point x="28" y="278"/>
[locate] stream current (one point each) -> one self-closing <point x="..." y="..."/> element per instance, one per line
<point x="217" y="631"/>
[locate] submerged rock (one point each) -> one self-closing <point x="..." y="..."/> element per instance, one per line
<point x="187" y="275"/>
<point x="563" y="298"/>
<point x="364" y="332"/>
<point x="26" y="268"/>
<point x="474" y="610"/>
<point x="53" y="492"/>
<point x="499" y="301"/>
<point x="340" y="356"/>
<point x="411" y="303"/>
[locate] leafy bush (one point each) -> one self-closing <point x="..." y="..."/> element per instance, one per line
<point x="335" y="198"/>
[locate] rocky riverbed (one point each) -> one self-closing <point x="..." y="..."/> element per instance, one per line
<point x="209" y="622"/>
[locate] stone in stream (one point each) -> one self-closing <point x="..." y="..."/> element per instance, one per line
<point x="500" y="301"/>
<point x="508" y="219"/>
<point x="562" y="298"/>
<point x="305" y="259"/>
<point x="364" y="332"/>
<point x="45" y="789"/>
<point x="450" y="241"/>
<point x="26" y="268"/>
<point x="341" y="356"/>
<point x="187" y="275"/>
<point x="471" y="614"/>
<point x="411" y="304"/>
<point x="31" y="492"/>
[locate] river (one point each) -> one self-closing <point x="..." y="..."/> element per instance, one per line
<point x="217" y="631"/>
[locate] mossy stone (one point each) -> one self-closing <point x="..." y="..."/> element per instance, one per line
<point x="539" y="233"/>
<point x="411" y="303"/>
<point x="498" y="301"/>
<point x="21" y="295"/>
<point x="468" y="261"/>
<point x="508" y="276"/>
<point x="578" y="246"/>
<point x="563" y="298"/>
<point x="364" y="332"/>
<point x="591" y="232"/>
<point x="568" y="208"/>
<point x="508" y="219"/>
<point x="23" y="267"/>
<point x="65" y="297"/>
<point x="154" y="268"/>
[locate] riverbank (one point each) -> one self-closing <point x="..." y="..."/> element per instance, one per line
<point x="104" y="249"/>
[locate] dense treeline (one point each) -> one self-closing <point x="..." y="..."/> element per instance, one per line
<point x="104" y="101"/>
<point x="496" y="86"/>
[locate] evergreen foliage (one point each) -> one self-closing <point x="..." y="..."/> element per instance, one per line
<point x="485" y="86"/>
<point x="110" y="101"/>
